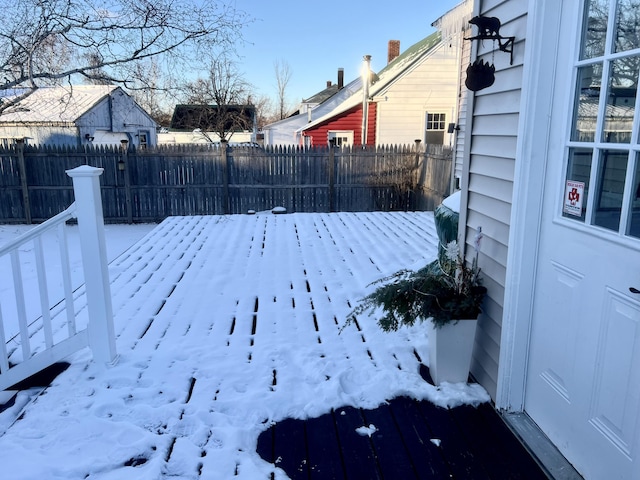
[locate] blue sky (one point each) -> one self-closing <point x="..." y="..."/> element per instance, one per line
<point x="317" y="38"/>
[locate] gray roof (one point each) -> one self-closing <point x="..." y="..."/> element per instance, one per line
<point x="57" y="104"/>
<point x="323" y="95"/>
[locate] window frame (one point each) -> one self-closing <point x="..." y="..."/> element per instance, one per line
<point x="600" y="146"/>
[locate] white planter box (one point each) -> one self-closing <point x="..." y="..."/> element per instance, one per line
<point x="450" y="349"/>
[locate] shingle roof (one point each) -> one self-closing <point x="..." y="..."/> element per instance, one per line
<point x="56" y="104"/>
<point x="323" y="95"/>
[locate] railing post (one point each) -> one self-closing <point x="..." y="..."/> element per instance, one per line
<point x="86" y="188"/>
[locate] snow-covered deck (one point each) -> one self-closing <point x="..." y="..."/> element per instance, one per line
<point x="225" y="325"/>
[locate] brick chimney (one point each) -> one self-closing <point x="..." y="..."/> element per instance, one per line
<point x="393" y="50"/>
<point x="328" y="83"/>
<point x="340" y="78"/>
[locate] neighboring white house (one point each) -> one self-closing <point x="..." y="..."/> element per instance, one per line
<point x="413" y="97"/>
<point x="78" y="115"/>
<point x="417" y="98"/>
<point x="552" y="176"/>
<point x="287" y="131"/>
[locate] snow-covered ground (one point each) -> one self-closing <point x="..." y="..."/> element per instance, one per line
<point x="118" y="239"/>
<point x="224" y="325"/>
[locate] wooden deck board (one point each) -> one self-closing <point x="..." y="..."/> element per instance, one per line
<point x="389" y="445"/>
<point x="325" y="457"/>
<point x="474" y="444"/>
<point x="461" y="459"/>
<point x="291" y="435"/>
<point x="425" y="454"/>
<point x="357" y="451"/>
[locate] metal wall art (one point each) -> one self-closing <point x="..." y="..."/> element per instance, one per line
<point x="481" y="74"/>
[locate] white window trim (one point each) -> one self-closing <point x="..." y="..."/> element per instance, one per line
<point x="341" y="133"/>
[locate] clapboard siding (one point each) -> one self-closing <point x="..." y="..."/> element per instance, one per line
<point x="490" y="227"/>
<point x="495" y="252"/>
<point x="497" y="103"/>
<point x="491" y="170"/>
<point x="493" y="209"/>
<point x="492" y="269"/>
<point x="491" y="187"/>
<point x="427" y="87"/>
<point x="498" y="146"/>
<point x="507" y="11"/>
<point x="500" y="167"/>
<point x="497" y="125"/>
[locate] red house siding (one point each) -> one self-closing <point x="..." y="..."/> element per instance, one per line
<point x="351" y="120"/>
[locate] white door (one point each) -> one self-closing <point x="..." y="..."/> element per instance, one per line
<point x="583" y="379"/>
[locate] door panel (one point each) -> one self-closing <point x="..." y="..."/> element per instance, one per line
<point x="616" y="389"/>
<point x="563" y="300"/>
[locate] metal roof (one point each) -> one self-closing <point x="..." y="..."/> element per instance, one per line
<point x="56" y="104"/>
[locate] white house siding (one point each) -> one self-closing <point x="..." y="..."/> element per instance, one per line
<point x="492" y="157"/>
<point x="62" y="134"/>
<point x="463" y="104"/>
<point x="429" y="87"/>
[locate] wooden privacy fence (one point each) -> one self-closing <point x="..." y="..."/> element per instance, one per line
<point x="148" y="185"/>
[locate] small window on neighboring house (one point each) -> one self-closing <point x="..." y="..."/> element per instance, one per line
<point x="342" y="138"/>
<point x="435" y="128"/>
<point x="143" y="139"/>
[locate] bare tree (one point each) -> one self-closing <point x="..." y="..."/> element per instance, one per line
<point x="265" y="113"/>
<point x="227" y="96"/>
<point x="152" y="90"/>
<point x="44" y="42"/>
<point x="283" y="76"/>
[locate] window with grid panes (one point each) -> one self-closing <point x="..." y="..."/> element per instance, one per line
<point x="435" y="127"/>
<point x="602" y="186"/>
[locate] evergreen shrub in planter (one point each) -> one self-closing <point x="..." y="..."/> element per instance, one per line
<point x="443" y="291"/>
<point x="446" y="292"/>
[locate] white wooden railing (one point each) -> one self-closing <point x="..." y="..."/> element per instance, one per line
<point x="99" y="332"/>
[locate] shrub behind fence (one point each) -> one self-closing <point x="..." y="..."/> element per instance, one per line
<point x="147" y="185"/>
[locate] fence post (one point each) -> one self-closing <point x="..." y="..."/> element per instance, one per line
<point x="127" y="180"/>
<point x="86" y="189"/>
<point x="416" y="185"/>
<point x="23" y="180"/>
<point x="225" y="175"/>
<point x="332" y="174"/>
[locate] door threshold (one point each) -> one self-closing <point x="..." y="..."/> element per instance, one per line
<point x="541" y="448"/>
